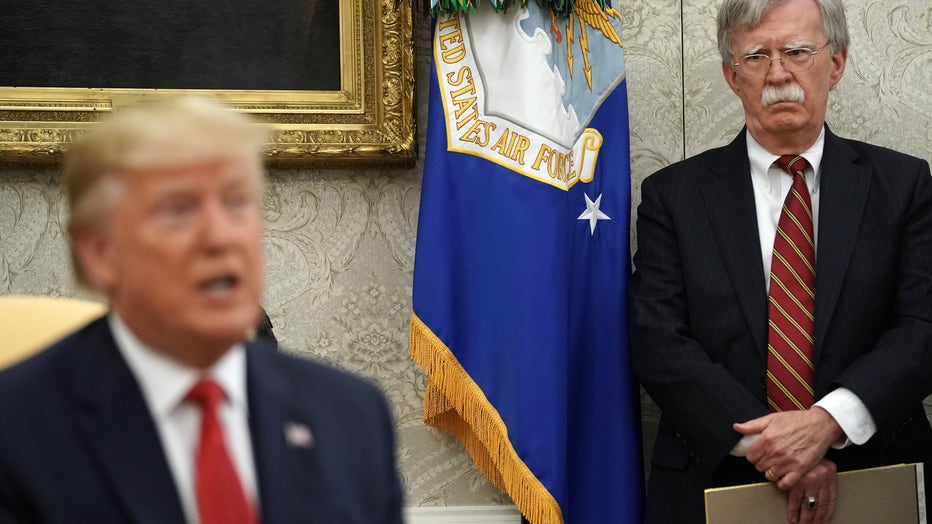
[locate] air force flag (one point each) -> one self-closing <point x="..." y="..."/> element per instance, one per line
<point x="522" y="259"/>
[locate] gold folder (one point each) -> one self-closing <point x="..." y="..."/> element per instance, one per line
<point x="888" y="495"/>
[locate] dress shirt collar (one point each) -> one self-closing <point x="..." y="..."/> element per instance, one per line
<point x="762" y="160"/>
<point x="165" y="382"/>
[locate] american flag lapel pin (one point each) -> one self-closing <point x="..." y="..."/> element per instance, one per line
<point x="298" y="435"/>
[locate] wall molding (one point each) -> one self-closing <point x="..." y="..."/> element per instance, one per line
<point x="463" y="515"/>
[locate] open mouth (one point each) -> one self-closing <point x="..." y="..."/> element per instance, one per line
<point x="221" y="285"/>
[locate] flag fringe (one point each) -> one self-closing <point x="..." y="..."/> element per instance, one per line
<point x="454" y="403"/>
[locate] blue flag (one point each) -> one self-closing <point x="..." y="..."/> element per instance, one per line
<point x="522" y="259"/>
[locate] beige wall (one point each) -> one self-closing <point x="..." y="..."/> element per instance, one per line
<point x="340" y="243"/>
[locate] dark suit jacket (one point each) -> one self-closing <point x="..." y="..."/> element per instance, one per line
<point x="699" y="311"/>
<point x="77" y="443"/>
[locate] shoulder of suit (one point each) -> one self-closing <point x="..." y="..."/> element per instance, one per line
<point x="52" y="362"/>
<point x="688" y="170"/>
<point x="879" y="154"/>
<point x="45" y="382"/>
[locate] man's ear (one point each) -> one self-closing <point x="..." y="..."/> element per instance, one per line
<point x="731" y="76"/>
<point x="93" y="248"/>
<point x="839" y="60"/>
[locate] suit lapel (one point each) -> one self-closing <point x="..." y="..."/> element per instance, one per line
<point x="118" y="429"/>
<point x="729" y="199"/>
<point x="289" y="467"/>
<point x="842" y="195"/>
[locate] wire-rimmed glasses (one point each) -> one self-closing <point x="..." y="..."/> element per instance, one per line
<point x="794" y="60"/>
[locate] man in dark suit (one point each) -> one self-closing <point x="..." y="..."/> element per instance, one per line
<point x="164" y="410"/>
<point x="713" y="276"/>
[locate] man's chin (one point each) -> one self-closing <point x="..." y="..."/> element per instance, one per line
<point x="228" y="332"/>
<point x="207" y="344"/>
<point x="224" y="328"/>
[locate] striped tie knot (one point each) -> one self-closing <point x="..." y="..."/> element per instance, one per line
<point x="793" y="164"/>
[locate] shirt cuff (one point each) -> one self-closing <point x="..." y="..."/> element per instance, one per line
<point x="851" y="415"/>
<point x="741" y="448"/>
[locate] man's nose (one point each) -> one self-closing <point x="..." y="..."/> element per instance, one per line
<point x="777" y="73"/>
<point x="219" y="225"/>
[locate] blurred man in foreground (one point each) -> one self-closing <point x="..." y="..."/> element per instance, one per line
<point x="782" y="301"/>
<point x="162" y="411"/>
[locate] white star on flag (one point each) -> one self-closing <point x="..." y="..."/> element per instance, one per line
<point x="592" y="213"/>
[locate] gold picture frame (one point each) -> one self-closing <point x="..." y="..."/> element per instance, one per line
<point x="369" y="121"/>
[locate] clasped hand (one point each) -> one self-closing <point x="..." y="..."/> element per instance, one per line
<point x="790" y="451"/>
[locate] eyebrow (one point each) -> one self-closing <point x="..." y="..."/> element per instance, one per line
<point x="798" y="44"/>
<point x="792" y="45"/>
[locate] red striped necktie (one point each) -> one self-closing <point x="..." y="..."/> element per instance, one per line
<point x="792" y="297"/>
<point x="220" y="496"/>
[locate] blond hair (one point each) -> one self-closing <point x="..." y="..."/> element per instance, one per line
<point x="162" y="134"/>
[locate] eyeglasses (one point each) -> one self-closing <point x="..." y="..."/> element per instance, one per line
<point x="794" y="60"/>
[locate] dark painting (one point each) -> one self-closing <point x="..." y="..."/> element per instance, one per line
<point x="171" y="44"/>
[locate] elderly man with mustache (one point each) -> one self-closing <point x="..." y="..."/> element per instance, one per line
<point x="782" y="298"/>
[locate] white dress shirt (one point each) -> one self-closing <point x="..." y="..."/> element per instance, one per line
<point x="165" y="383"/>
<point x="771" y="185"/>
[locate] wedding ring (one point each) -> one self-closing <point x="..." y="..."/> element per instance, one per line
<point x="811" y="502"/>
<point x="770" y="476"/>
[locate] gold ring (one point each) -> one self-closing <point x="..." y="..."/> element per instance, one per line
<point x="770" y="476"/>
<point x="811" y="502"/>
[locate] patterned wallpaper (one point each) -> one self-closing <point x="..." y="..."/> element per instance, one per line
<point x="340" y="243"/>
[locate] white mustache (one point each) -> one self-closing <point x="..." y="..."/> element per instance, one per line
<point x="788" y="93"/>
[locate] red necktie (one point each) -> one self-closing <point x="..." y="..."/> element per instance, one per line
<point x="792" y="298"/>
<point x="220" y="496"/>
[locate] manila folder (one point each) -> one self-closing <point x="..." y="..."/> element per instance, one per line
<point x="889" y="494"/>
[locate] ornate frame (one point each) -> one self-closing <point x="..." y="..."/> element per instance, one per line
<point x="369" y="121"/>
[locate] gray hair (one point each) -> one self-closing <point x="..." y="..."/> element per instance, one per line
<point x="738" y="15"/>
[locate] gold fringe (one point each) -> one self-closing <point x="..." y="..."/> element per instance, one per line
<point x="455" y="404"/>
